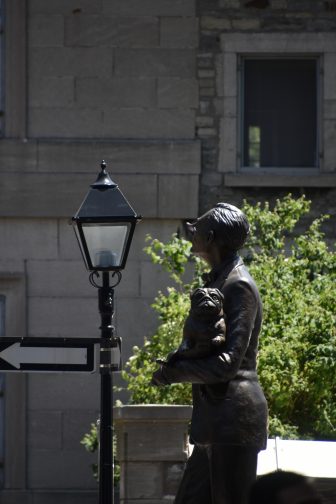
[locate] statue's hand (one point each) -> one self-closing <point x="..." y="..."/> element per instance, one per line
<point x="158" y="377"/>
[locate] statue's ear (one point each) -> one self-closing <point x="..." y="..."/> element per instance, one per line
<point x="211" y="236"/>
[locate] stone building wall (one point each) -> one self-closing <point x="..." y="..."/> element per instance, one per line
<point x="85" y="80"/>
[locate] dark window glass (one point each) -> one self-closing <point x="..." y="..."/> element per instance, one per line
<point x="280" y="113"/>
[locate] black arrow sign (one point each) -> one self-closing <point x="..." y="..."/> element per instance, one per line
<point x="47" y="354"/>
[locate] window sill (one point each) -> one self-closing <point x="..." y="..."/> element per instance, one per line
<point x="255" y="178"/>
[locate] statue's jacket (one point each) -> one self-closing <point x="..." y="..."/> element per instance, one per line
<point x="229" y="406"/>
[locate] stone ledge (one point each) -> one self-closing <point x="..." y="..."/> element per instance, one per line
<point x="276" y="180"/>
<point x="152" y="412"/>
<point x="73" y="156"/>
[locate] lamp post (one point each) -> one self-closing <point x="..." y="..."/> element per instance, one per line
<point x="104" y="226"/>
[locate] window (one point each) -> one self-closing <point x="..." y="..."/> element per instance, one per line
<point x="278" y="127"/>
<point x="279" y="112"/>
<point x="2" y="390"/>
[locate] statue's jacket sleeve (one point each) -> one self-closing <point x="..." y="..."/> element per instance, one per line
<point x="228" y="403"/>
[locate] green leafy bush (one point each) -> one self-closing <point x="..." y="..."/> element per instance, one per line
<point x="296" y="276"/>
<point x="91" y="444"/>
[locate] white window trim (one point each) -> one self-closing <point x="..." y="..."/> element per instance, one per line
<point x="234" y="46"/>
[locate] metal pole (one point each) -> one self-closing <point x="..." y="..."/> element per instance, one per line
<point x="106" y="309"/>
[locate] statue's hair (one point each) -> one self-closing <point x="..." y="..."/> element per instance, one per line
<point x="229" y="224"/>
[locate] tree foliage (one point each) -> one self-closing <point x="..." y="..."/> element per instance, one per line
<point x="296" y="276"/>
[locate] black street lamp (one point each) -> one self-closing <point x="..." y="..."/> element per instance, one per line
<point x="104" y="226"/>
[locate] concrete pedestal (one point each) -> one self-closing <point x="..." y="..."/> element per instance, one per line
<point x="152" y="448"/>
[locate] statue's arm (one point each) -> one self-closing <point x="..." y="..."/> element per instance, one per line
<point x="241" y="309"/>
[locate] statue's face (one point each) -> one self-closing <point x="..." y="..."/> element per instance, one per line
<point x="199" y="237"/>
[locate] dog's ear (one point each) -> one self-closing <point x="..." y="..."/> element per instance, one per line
<point x="192" y="294"/>
<point x="220" y="294"/>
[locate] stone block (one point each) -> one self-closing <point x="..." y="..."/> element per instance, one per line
<point x="215" y="23"/>
<point x="18" y="154"/>
<point x="153" y="279"/>
<point x="179" y="32"/>
<point x="135" y="319"/>
<point x="57" y="317"/>
<point x="177" y="93"/>
<point x="68" y="248"/>
<point x="206" y="83"/>
<point x="95" y="31"/>
<point x="69" y="61"/>
<point x="265" y="179"/>
<point x="172" y="477"/>
<point x="42" y="195"/>
<point x="178" y="196"/>
<point x="141" y="191"/>
<point x="278" y="42"/>
<point x="65" y="279"/>
<point x="207" y="132"/>
<point x="228" y="148"/>
<point x="149" y="7"/>
<point x="65" y="7"/>
<point x="147" y="481"/>
<point x="44" y="430"/>
<point x="246" y="24"/>
<point x="75" y="425"/>
<point x="212" y="179"/>
<point x="229" y="4"/>
<point x="60" y="469"/>
<point x="206" y="74"/>
<point x="279" y="4"/>
<point x="149" y="441"/>
<point x="329" y="76"/>
<point x="230" y="107"/>
<point x="122" y="157"/>
<point x="207" y="92"/>
<point x="26" y="239"/>
<point x="65" y="123"/>
<point x="152" y="420"/>
<point x="155" y="62"/>
<point x="202" y="121"/>
<point x="329" y="109"/>
<point x="129" y="287"/>
<point x="63" y="392"/>
<point x="329" y="130"/>
<point x="71" y="497"/>
<point x="219" y="75"/>
<point x="149" y="123"/>
<point x="116" y="92"/>
<point x="161" y="229"/>
<point x="52" y="92"/>
<point x="230" y="75"/>
<point x="16" y="497"/>
<point x="46" y="30"/>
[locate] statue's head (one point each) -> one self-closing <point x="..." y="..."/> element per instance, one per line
<point x="219" y="232"/>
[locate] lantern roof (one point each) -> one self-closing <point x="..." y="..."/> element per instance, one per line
<point x="105" y="201"/>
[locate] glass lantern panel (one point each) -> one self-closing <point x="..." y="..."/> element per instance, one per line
<point x="106" y="243"/>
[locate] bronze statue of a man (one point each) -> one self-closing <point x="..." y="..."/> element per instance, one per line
<point x="229" y="419"/>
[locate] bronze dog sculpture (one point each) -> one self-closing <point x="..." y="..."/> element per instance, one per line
<point x="204" y="329"/>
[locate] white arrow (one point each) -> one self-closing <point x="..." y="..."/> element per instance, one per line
<point x="16" y="355"/>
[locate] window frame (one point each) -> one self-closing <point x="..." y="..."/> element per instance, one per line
<point x="236" y="46"/>
<point x="241" y="105"/>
